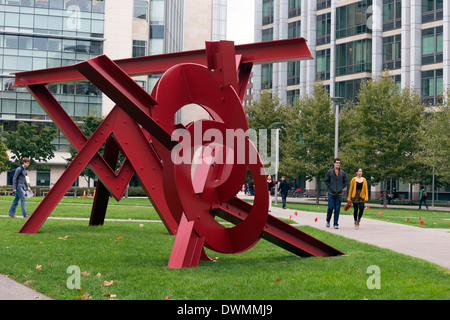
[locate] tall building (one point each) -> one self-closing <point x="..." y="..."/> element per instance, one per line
<point x="39" y="34"/>
<point x="355" y="40"/>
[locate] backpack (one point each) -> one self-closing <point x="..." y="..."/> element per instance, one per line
<point x="11" y="176"/>
<point x="424" y="194"/>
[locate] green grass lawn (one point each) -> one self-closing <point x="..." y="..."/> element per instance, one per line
<point x="128" y="260"/>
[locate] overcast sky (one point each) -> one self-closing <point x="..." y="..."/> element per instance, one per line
<point x="240" y="17"/>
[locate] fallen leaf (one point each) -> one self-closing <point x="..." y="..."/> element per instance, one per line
<point x="39" y="267"/>
<point x="141" y="225"/>
<point x="108" y="283"/>
<point x="169" y="298"/>
<point x="65" y="238"/>
<point x="84" y="273"/>
<point x="120" y="238"/>
<point x="98" y="274"/>
<point x="277" y="280"/>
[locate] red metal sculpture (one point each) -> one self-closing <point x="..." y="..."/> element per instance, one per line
<point x="141" y="126"/>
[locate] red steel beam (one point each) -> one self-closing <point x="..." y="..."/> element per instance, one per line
<point x="257" y="53"/>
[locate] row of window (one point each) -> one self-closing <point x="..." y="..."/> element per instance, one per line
<point x="355" y="18"/>
<point x="51" y="21"/>
<point x="97" y="6"/>
<point x="432" y="87"/>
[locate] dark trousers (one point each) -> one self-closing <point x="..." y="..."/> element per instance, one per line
<point x="358" y="207"/>
<point x="334" y="203"/>
<point x="283" y="199"/>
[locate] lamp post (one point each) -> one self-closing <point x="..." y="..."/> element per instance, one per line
<point x="336" y="124"/>
<point x="277" y="148"/>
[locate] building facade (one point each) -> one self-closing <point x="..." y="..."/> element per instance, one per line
<point x="39" y="34"/>
<point x="355" y="40"/>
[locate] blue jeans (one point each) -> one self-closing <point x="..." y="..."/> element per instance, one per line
<point x="283" y="199"/>
<point x="20" y="195"/>
<point x="334" y="202"/>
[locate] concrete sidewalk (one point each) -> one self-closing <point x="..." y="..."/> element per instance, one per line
<point x="12" y="290"/>
<point x="425" y="243"/>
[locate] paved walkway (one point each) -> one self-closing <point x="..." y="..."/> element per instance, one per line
<point x="425" y="243"/>
<point x="429" y="244"/>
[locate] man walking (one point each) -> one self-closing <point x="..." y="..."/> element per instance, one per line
<point x="336" y="181"/>
<point x="284" y="190"/>
<point x="19" y="187"/>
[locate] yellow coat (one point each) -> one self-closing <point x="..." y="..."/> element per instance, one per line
<point x="364" y="192"/>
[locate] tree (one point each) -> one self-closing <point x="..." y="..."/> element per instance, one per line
<point x="315" y="148"/>
<point x="385" y="130"/>
<point x="435" y="141"/>
<point x="31" y="141"/>
<point x="3" y="156"/>
<point x="267" y="113"/>
<point x="87" y="126"/>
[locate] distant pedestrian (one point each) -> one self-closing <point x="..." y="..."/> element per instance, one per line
<point x="336" y="181"/>
<point x="270" y="185"/>
<point x="358" y="195"/>
<point x="284" y="188"/>
<point x="19" y="187"/>
<point x="423" y="197"/>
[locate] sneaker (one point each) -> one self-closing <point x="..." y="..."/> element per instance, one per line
<point x="26" y="216"/>
<point x="328" y="224"/>
<point x="336" y="227"/>
<point x="11" y="216"/>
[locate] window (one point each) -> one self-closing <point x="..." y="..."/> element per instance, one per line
<point x="392" y="52"/>
<point x="140" y="9"/>
<point x="43" y="178"/>
<point x="266" y="79"/>
<point x="354" y="57"/>
<point x="352" y="19"/>
<point x="294" y="29"/>
<point x="292" y="96"/>
<point x="323" y="28"/>
<point x="349" y="89"/>
<point x="139" y="48"/>
<point x="432" y="86"/>
<point x="293" y="73"/>
<point x="323" y="64"/>
<point x="267" y="12"/>
<point x="392" y="14"/>
<point x="267" y="34"/>
<point x="295" y="8"/>
<point x="432" y="45"/>
<point x="432" y="10"/>
<point x="322" y="4"/>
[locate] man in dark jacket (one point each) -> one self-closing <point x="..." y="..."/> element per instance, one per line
<point x="336" y="181"/>
<point x="284" y="190"/>
<point x="19" y="187"/>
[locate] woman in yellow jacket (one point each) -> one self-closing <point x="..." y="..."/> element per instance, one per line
<point x="358" y="195"/>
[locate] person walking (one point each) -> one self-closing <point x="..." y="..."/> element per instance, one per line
<point x="284" y="190"/>
<point x="19" y="187"/>
<point x="358" y="194"/>
<point x="270" y="185"/>
<point x="423" y="197"/>
<point x="336" y="181"/>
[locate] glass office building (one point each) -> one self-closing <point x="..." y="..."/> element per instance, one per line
<point x="37" y="34"/>
<point x="355" y="40"/>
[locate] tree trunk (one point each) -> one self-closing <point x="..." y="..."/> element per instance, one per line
<point x="317" y="190"/>
<point x="384" y="194"/>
